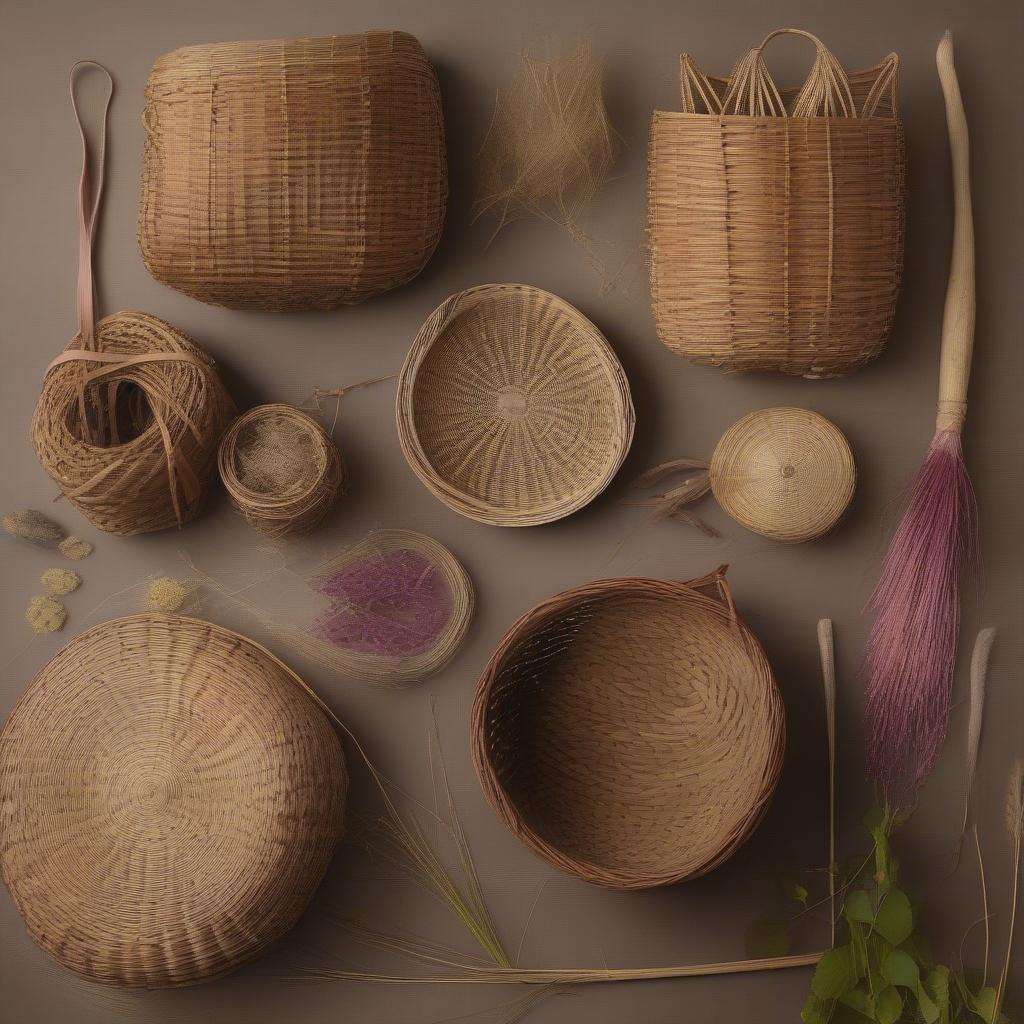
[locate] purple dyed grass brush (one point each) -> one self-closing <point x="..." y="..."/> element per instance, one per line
<point x="912" y="649"/>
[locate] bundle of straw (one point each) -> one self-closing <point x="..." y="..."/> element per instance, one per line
<point x="912" y="648"/>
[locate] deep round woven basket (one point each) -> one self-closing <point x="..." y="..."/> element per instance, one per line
<point x="512" y="407"/>
<point x="630" y="731"/>
<point x="785" y="473"/>
<point x="170" y="797"/>
<point x="274" y="502"/>
<point x="129" y="430"/>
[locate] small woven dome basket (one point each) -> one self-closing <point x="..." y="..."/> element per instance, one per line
<point x="630" y="731"/>
<point x="784" y="473"/>
<point x="292" y="174"/>
<point x="281" y="469"/>
<point x="170" y="797"/>
<point x="512" y="407"/>
<point x="776" y="218"/>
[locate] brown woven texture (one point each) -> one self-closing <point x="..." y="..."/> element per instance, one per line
<point x="281" y="469"/>
<point x="776" y="219"/>
<point x="128" y="429"/>
<point x="630" y="731"/>
<point x="512" y="407"/>
<point x="292" y="174"/>
<point x="784" y="473"/>
<point x="170" y="797"/>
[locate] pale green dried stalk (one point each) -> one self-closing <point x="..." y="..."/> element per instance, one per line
<point x="1015" y="826"/>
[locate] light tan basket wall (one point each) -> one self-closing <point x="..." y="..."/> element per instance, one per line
<point x="630" y="731"/>
<point x="292" y="174"/>
<point x="776" y="243"/>
<point x="170" y="798"/>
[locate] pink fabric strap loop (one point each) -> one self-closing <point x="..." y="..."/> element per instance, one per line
<point x="87" y="209"/>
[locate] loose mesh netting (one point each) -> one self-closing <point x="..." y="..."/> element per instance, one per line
<point x="551" y="146"/>
<point x="393" y="608"/>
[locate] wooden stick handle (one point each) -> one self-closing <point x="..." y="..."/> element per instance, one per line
<point x="958" y="317"/>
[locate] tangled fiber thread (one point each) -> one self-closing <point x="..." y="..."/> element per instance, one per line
<point x="550" y="146"/>
<point x="46" y="614"/>
<point x="60" y="581"/>
<point x="128" y="424"/>
<point x="281" y="469"/>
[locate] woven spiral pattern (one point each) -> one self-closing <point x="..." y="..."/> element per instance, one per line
<point x="132" y="441"/>
<point x="777" y="241"/>
<point x="281" y="469"/>
<point x="292" y="174"/>
<point x="170" y="797"/>
<point x="630" y="731"/>
<point x="512" y="407"/>
<point x="784" y="473"/>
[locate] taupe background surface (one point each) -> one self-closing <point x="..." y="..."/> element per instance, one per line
<point x="886" y="410"/>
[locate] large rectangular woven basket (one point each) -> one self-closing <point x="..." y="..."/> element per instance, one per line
<point x="775" y="218"/>
<point x="292" y="174"/>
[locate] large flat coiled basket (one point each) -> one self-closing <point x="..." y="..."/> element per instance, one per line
<point x="292" y="173"/>
<point x="170" y="798"/>
<point x="776" y="218"/>
<point x="630" y="731"/>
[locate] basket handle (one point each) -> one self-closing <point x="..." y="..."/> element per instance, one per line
<point x="87" y="209"/>
<point x="826" y="91"/>
<point x="717" y="580"/>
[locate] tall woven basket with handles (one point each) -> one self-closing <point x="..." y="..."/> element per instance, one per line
<point x="292" y="173"/>
<point x="630" y="731"/>
<point x="776" y="218"/>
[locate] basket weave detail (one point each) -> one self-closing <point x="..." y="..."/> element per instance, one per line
<point x="170" y="797"/>
<point x="776" y="233"/>
<point x="512" y="407"/>
<point x="128" y="429"/>
<point x="784" y="473"/>
<point x="292" y="174"/>
<point x="281" y="469"/>
<point x="630" y="731"/>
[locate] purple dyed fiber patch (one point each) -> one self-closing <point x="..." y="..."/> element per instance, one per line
<point x="393" y="604"/>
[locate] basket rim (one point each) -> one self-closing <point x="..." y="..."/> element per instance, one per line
<point x="501" y="802"/>
<point x="458" y="500"/>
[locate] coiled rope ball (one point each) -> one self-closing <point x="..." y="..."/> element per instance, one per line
<point x="127" y="424"/>
<point x="785" y="473"/>
<point x="281" y="469"/>
<point x="170" y="797"/>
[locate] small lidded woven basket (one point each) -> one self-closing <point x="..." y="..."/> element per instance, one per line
<point x="295" y="173"/>
<point x="512" y="407"/>
<point x="630" y="731"/>
<point x="776" y="218"/>
<point x="281" y="469"/>
<point x="170" y="798"/>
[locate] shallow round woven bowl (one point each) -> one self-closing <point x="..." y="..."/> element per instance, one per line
<point x="512" y="407"/>
<point x="170" y="797"/>
<point x="784" y="473"/>
<point x="281" y="469"/>
<point x="630" y="731"/>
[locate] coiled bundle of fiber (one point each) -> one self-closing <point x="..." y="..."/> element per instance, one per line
<point x="170" y="797"/>
<point x="281" y="469"/>
<point x="127" y="424"/>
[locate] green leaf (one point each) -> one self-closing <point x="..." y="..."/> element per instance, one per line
<point x="799" y="893"/>
<point x="834" y="973"/>
<point x="766" y="939"/>
<point x="900" y="968"/>
<point x="814" y="1011"/>
<point x="983" y="1003"/>
<point x="888" y="1005"/>
<point x="937" y="985"/>
<point x="929" y="1011"/>
<point x="860" y="1001"/>
<point x="858" y="907"/>
<point x="895" y="920"/>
